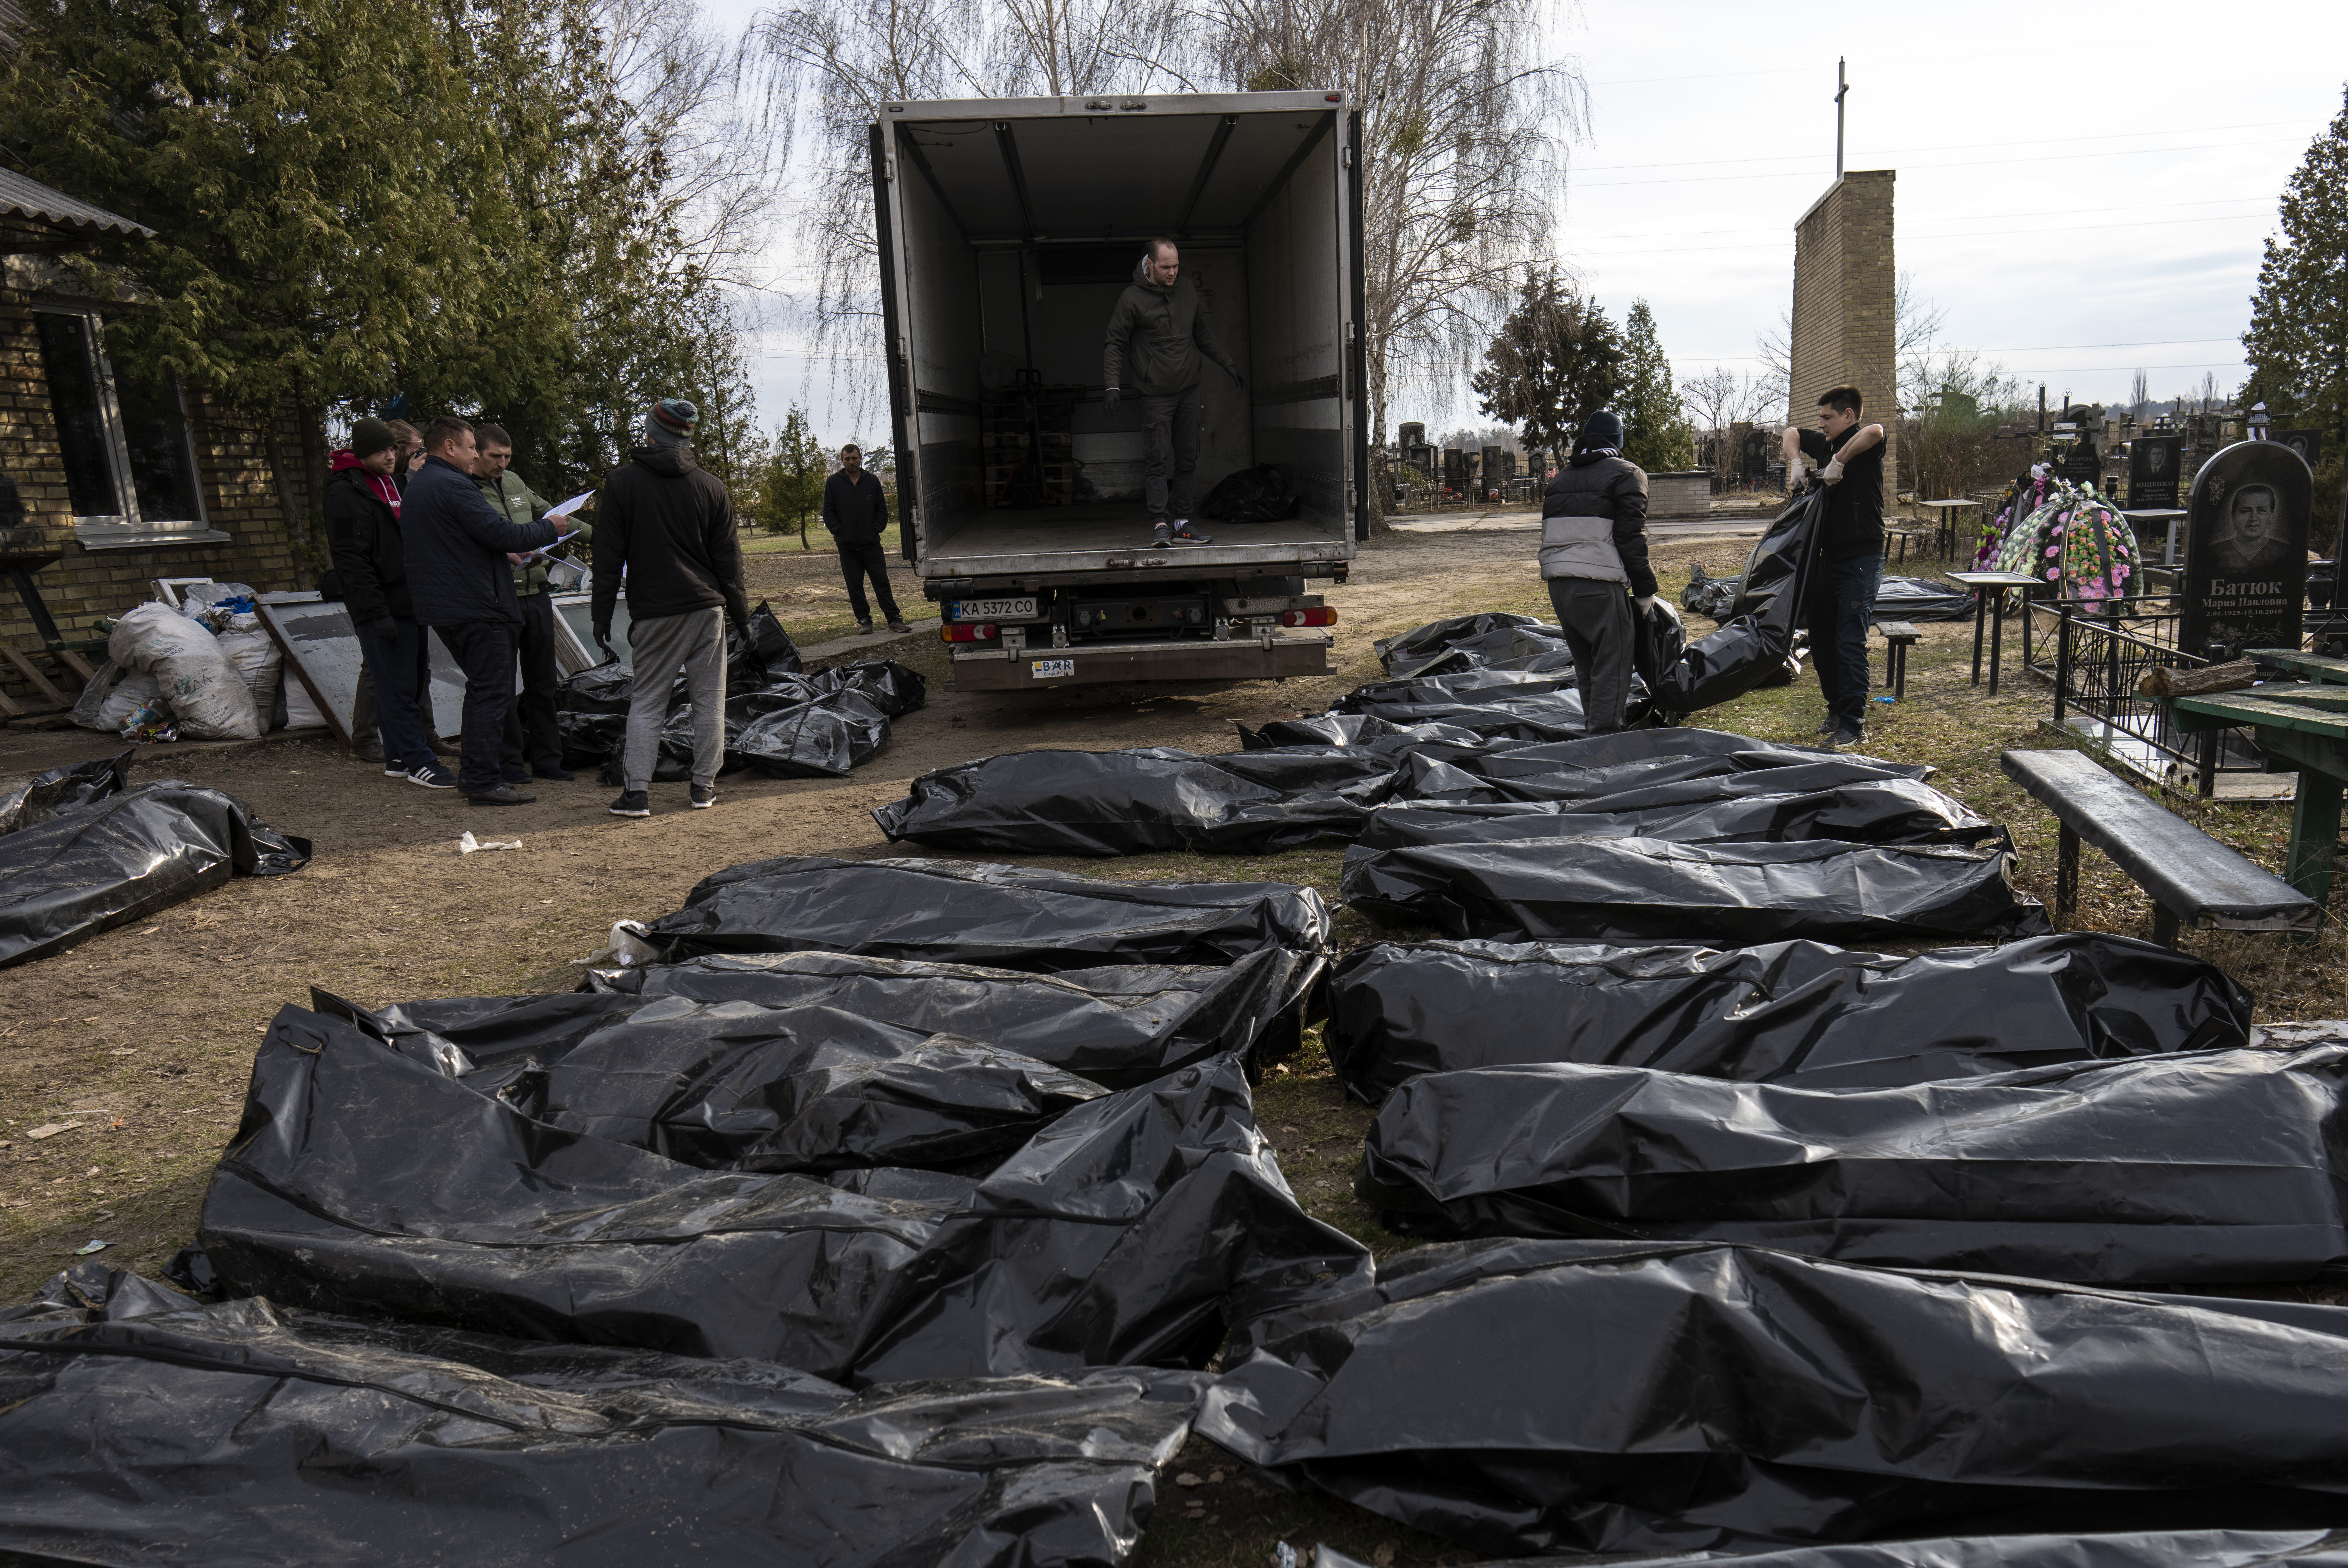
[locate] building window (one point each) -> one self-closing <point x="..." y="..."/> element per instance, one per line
<point x="128" y="456"/>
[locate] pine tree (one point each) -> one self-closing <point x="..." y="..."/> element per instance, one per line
<point x="1556" y="361"/>
<point x="1656" y="435"/>
<point x="2298" y="339"/>
<point x="791" y="478"/>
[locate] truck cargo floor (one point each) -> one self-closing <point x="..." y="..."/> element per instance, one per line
<point x="1103" y="526"/>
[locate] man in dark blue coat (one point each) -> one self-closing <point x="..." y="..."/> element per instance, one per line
<point x="462" y="587"/>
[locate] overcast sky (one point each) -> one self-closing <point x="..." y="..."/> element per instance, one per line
<point x="2084" y="191"/>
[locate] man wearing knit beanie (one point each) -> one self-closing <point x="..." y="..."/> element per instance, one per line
<point x="668" y="527"/>
<point x="371" y="436"/>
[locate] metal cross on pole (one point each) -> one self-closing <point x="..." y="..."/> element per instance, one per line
<point x="1842" y="90"/>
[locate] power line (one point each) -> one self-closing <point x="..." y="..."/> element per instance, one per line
<point x="1953" y="234"/>
<point x="1960" y="218"/>
<point x="1968" y="163"/>
<point x="1950" y="147"/>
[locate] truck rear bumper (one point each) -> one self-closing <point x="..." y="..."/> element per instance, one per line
<point x="1091" y="664"/>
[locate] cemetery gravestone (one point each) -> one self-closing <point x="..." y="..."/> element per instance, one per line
<point x="2153" y="462"/>
<point x="2246" y="551"/>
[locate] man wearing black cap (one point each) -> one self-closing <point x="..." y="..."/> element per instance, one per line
<point x="668" y="527"/>
<point x="455" y="545"/>
<point x="1594" y="556"/>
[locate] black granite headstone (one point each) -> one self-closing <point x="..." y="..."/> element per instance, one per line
<point x="2308" y="444"/>
<point x="2153" y="462"/>
<point x="2246" y="551"/>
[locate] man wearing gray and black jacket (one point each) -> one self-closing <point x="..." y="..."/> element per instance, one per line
<point x="1594" y="556"/>
<point x="1155" y="335"/>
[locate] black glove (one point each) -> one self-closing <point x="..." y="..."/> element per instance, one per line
<point x="1239" y="380"/>
<point x="1109" y="398"/>
<point x="603" y="635"/>
<point x="387" y="631"/>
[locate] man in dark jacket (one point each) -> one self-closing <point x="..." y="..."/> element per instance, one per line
<point x="669" y="528"/>
<point x="1593" y="555"/>
<point x="462" y="587"/>
<point x="1155" y="335"/>
<point x="362" y="507"/>
<point x="532" y="734"/>
<point x="856" y="509"/>
<point x="1849" y="565"/>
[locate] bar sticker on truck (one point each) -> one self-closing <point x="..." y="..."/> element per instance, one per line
<point x="1047" y="670"/>
<point x="990" y="610"/>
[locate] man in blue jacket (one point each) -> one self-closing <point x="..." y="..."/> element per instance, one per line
<point x="462" y="587"/>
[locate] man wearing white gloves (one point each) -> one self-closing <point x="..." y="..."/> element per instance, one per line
<point x="1849" y="565"/>
<point x="1594" y="556"/>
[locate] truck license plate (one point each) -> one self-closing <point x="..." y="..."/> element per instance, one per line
<point x="1047" y="670"/>
<point x="990" y="610"/>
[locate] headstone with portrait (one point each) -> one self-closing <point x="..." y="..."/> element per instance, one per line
<point x="2246" y="551"/>
<point x="2153" y="462"/>
<point x="2308" y="444"/>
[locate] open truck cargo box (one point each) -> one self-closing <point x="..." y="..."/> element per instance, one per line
<point x="1007" y="230"/>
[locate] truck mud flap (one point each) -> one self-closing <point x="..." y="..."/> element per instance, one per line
<point x="1236" y="660"/>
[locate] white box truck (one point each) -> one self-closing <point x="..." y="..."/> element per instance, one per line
<point x="1008" y="229"/>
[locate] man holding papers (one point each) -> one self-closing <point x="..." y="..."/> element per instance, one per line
<point x="530" y="734"/>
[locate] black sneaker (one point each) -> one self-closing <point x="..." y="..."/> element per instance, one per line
<point x="368" y="751"/>
<point x="899" y="626"/>
<point x="703" y="797"/>
<point x="1158" y="536"/>
<point x="554" y="770"/>
<point x="1828" y="727"/>
<point x="1843" y="738"/>
<point x="1182" y="535"/>
<point x="632" y="803"/>
<point x="863" y="628"/>
<point x="432" y="775"/>
<point x="503" y="794"/>
<point x="393" y="768"/>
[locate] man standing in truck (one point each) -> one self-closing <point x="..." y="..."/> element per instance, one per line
<point x="1155" y="335"/>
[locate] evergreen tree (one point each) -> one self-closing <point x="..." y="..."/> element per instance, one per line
<point x="2298" y="339"/>
<point x="1556" y="360"/>
<point x="790" y="482"/>
<point x="1657" y="433"/>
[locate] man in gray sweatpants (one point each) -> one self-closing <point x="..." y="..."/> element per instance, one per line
<point x="668" y="526"/>
<point x="1594" y="556"/>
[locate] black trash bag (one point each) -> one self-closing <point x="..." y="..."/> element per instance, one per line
<point x="759" y="652"/>
<point x="2214" y="1167"/>
<point x="826" y="739"/>
<point x="1920" y="599"/>
<point x="1711" y="596"/>
<point x="1150" y="799"/>
<point x="1645" y="890"/>
<point x="1796" y="1011"/>
<point x="1329" y="730"/>
<point x="1545" y="716"/>
<point x="114" y="859"/>
<point x="895" y="689"/>
<point x="364" y="1181"/>
<point x="263" y="1434"/>
<point x="1467" y="687"/>
<point x="1869" y="811"/>
<point x="734" y="1086"/>
<point x="2169" y="1549"/>
<point x="1561" y="1395"/>
<point x="590" y="739"/>
<point x="1260" y="494"/>
<point x="1751" y="648"/>
<point x="1442" y="636"/>
<point x="44" y="795"/>
<point x="1120" y="1026"/>
<point x="1632" y="769"/>
<point x="607" y="688"/>
<point x="1657" y="642"/>
<point x="1012" y="917"/>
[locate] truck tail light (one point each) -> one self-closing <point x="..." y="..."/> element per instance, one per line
<point x="1323" y="616"/>
<point x="982" y="632"/>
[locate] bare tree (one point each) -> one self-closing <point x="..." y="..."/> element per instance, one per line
<point x="1465" y="125"/>
<point x="1719" y="401"/>
<point x="1776" y="348"/>
<point x="2139" y="396"/>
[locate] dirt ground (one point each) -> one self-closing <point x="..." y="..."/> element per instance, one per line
<point x="139" y="1041"/>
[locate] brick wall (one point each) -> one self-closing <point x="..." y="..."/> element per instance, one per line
<point x="1844" y="327"/>
<point x="241" y="499"/>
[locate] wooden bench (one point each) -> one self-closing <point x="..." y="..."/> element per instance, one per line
<point x="1898" y="636"/>
<point x="2192" y="878"/>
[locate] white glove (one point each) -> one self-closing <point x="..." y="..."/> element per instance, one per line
<point x="1651" y="601"/>
<point x="1832" y="473"/>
